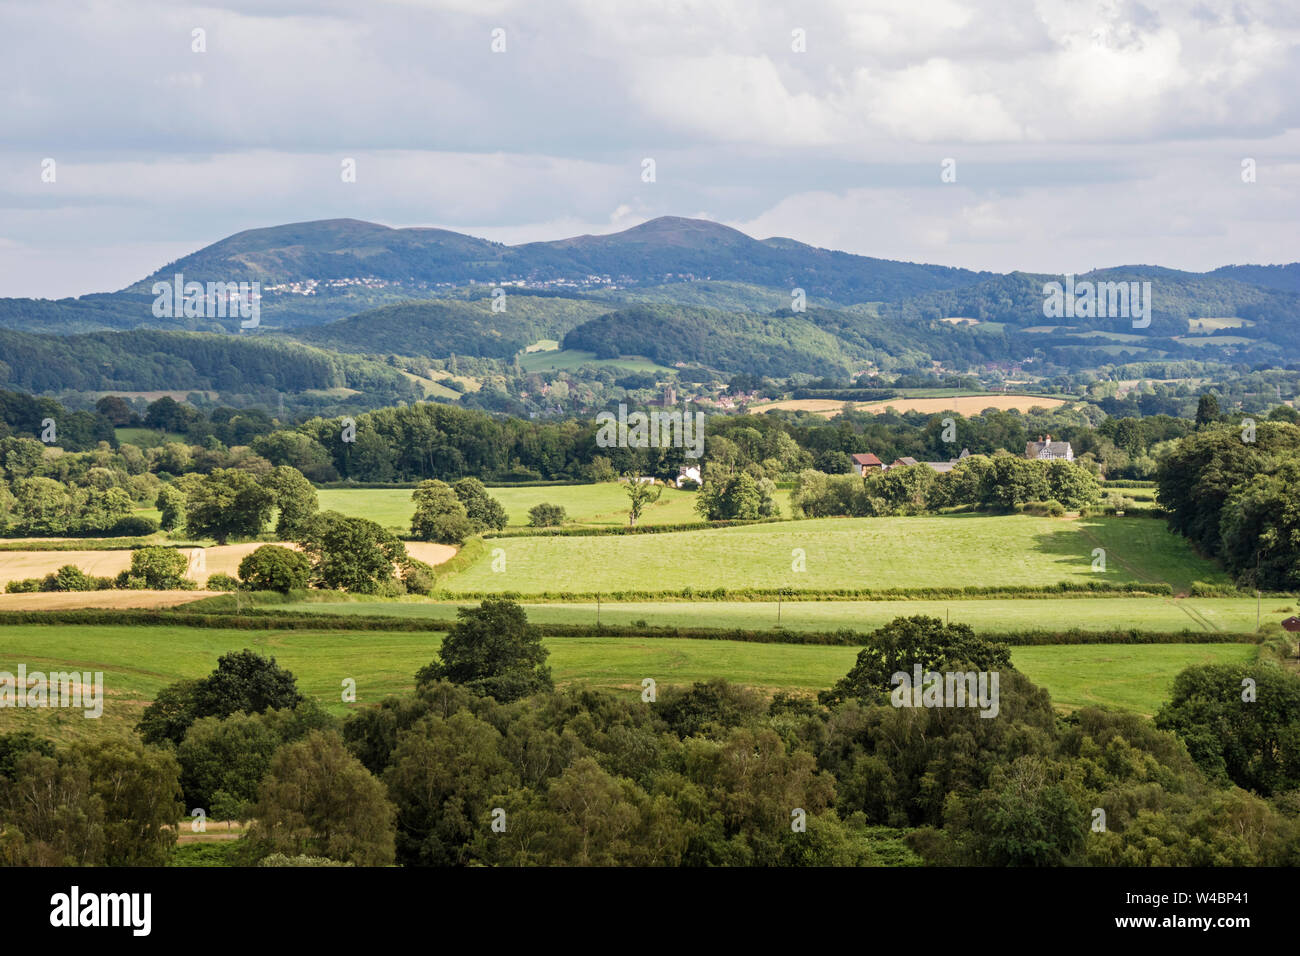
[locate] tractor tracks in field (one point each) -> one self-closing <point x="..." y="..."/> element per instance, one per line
<point x="1179" y="602"/>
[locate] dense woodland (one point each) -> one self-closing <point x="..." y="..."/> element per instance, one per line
<point x="487" y="764"/>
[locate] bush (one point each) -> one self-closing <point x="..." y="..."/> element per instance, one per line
<point x="133" y="526"/>
<point x="72" y="578"/>
<point x="546" y="515"/>
<point x="25" y="586"/>
<point x="160" y="568"/>
<point x="222" y="582"/>
<point x="418" y="577"/>
<point x="275" y="568"/>
<point x="279" y="859"/>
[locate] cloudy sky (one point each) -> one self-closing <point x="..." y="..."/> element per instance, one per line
<point x="1082" y="134"/>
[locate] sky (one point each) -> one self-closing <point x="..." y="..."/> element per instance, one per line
<point x="1046" y="136"/>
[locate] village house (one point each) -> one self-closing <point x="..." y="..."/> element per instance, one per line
<point x="687" y="474"/>
<point x="943" y="466"/>
<point x="1047" y="450"/>
<point x="862" y="464"/>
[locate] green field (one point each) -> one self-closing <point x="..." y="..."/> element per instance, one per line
<point x="1133" y="677"/>
<point x="138" y="661"/>
<point x="564" y="360"/>
<point x="1208" y="325"/>
<point x="147" y="437"/>
<point x="593" y="504"/>
<point x="1224" y="340"/>
<point x="1232" y="615"/>
<point x="919" y="552"/>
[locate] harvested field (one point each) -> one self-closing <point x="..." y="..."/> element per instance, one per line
<point x="224" y="558"/>
<point x="962" y="404"/>
<point x="119" y="600"/>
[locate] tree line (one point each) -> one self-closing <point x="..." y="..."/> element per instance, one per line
<point x="486" y="763"/>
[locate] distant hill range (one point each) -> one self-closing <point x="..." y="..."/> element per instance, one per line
<point x="675" y="290"/>
<point x="661" y="250"/>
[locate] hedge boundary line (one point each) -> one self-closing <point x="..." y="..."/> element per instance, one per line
<point x="269" y="620"/>
<point x="585" y="532"/>
<point x="1063" y="589"/>
<point x="92" y="544"/>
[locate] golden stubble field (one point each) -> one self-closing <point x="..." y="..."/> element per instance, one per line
<point x="966" y="405"/>
<point x="225" y="558"/>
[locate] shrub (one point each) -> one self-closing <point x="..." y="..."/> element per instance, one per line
<point x="222" y="582"/>
<point x="25" y="586"/>
<point x="133" y="526"/>
<point x="279" y="859"/>
<point x="275" y="568"/>
<point x="161" y="568"/>
<point x="72" y="578"/>
<point x="418" y="577"/>
<point x="546" y="515"/>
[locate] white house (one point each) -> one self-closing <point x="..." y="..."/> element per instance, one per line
<point x="689" y="473"/>
<point x="1047" y="450"/>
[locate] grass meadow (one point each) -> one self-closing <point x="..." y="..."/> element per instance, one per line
<point x="1234" y="615"/>
<point x="137" y="662"/>
<point x="596" y="505"/>
<point x="917" y="552"/>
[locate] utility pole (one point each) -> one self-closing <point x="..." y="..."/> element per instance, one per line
<point x="598" y="610"/>
<point x="1256" y="592"/>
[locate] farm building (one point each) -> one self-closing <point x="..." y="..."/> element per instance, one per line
<point x="864" y="463"/>
<point x="942" y="466"/>
<point x="1047" y="450"/>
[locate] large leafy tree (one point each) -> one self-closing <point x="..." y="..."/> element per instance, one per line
<point x="228" y="503"/>
<point x="1202" y="471"/>
<point x="243" y="682"/>
<point x="739" y="497"/>
<point x="1255" y="743"/>
<point x="907" y="641"/>
<point x="351" y="554"/>
<point x="229" y="756"/>
<point x="295" y="497"/>
<point x="494" y="651"/>
<point x="440" y="514"/>
<point x="318" y="800"/>
<point x="274" y="568"/>
<point x="485" y="513"/>
<point x="443" y="776"/>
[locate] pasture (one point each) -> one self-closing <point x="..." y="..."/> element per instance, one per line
<point x="565" y="360"/>
<point x="137" y="662"/>
<point x="603" y="504"/>
<point x="1230" y="615"/>
<point x="915" y="552"/>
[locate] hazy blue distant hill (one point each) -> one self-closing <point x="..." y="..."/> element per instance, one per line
<point x="1285" y="278"/>
<point x="664" y="249"/>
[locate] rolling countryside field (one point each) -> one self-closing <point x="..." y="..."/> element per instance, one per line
<point x="137" y="662"/>
<point x="998" y="615"/>
<point x="596" y="505"/>
<point x="916" y="552"/>
<point x="964" y="404"/>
